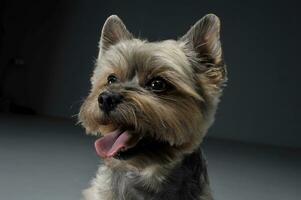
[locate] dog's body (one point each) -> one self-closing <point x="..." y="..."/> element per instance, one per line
<point x="153" y="104"/>
<point x="187" y="181"/>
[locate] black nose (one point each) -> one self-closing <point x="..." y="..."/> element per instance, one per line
<point x="109" y="100"/>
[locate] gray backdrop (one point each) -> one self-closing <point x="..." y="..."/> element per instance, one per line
<point x="261" y="41"/>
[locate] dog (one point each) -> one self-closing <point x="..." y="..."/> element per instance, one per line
<point x="152" y="104"/>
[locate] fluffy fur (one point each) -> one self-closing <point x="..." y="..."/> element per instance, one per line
<point x="167" y="126"/>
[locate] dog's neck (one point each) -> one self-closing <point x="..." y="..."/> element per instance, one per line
<point x="187" y="180"/>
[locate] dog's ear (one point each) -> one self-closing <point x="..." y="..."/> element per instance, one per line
<point x="113" y="31"/>
<point x="204" y="39"/>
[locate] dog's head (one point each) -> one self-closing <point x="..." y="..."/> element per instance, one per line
<point x="153" y="102"/>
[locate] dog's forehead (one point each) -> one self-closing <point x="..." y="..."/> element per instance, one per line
<point x="136" y="57"/>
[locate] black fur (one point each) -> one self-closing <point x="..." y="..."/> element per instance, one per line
<point x="187" y="181"/>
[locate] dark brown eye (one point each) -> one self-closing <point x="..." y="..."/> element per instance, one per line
<point x="112" y="79"/>
<point x="157" y="85"/>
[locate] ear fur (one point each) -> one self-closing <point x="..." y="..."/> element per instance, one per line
<point x="113" y="31"/>
<point x="204" y="39"/>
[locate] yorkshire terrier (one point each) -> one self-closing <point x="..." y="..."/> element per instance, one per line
<point x="152" y="104"/>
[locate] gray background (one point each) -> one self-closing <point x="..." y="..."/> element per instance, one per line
<point x="58" y="42"/>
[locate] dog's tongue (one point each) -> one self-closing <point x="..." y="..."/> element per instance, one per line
<point x="111" y="143"/>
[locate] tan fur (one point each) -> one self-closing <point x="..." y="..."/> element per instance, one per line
<point x="193" y="66"/>
<point x="100" y="189"/>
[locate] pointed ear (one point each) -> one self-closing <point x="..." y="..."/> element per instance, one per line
<point x="113" y="31"/>
<point x="204" y="39"/>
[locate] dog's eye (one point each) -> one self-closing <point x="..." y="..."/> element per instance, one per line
<point x="112" y="79"/>
<point x="157" y="85"/>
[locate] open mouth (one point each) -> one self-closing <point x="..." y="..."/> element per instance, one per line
<point x="114" y="143"/>
<point x="124" y="145"/>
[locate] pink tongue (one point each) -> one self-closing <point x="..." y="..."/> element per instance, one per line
<point x="111" y="143"/>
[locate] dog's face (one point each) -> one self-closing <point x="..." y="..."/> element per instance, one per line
<point x="153" y="101"/>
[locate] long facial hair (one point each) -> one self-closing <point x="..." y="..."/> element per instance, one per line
<point x="176" y="119"/>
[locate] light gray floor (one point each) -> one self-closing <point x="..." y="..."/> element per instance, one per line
<point x="51" y="159"/>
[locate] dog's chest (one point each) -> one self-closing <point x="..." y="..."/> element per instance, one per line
<point x="175" y="188"/>
<point x="185" y="182"/>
